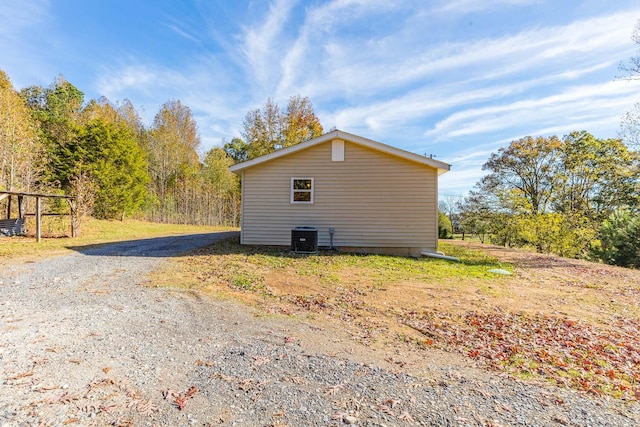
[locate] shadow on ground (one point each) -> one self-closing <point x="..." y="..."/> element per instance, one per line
<point x="156" y="247"/>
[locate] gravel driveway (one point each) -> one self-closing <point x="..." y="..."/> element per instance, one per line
<point x="83" y="344"/>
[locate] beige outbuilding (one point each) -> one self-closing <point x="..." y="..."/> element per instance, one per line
<point x="361" y="195"/>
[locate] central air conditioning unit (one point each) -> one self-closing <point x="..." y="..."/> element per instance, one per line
<point x="304" y="240"/>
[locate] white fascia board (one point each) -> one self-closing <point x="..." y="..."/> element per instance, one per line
<point x="442" y="167"/>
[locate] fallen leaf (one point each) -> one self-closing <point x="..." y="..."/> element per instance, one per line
<point x="405" y="417"/>
<point x="334" y="389"/>
<point x="386" y="410"/>
<point x="169" y="394"/>
<point x="147" y="407"/>
<point x="107" y="408"/>
<point x="260" y="360"/>
<point x="192" y="391"/>
<point x="45" y="388"/>
<point x="133" y="393"/>
<point x="23" y="375"/>
<point x="180" y="402"/>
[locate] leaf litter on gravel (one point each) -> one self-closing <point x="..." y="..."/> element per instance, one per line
<point x="565" y="352"/>
<point x="180" y="399"/>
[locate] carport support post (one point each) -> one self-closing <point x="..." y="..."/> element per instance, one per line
<point x="20" y="207"/>
<point x="38" y="220"/>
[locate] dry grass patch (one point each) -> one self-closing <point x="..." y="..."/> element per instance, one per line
<point x="95" y="231"/>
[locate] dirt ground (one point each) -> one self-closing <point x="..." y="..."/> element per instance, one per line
<point x="561" y="286"/>
<point x="546" y="320"/>
<point x="539" y="284"/>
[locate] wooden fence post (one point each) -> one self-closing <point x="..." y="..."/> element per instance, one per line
<point x="74" y="218"/>
<point x="20" y="206"/>
<point x="38" y="220"/>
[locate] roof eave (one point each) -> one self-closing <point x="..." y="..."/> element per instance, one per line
<point x="337" y="134"/>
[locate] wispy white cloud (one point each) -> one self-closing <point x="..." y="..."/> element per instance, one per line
<point x="315" y="61"/>
<point x="182" y="32"/>
<point x="467" y="6"/>
<point x="23" y="26"/>
<point x="429" y="100"/>
<point x="137" y="77"/>
<point x="459" y="180"/>
<point x="576" y="105"/>
<point x="17" y="15"/>
<point x="261" y="43"/>
<point x="504" y="56"/>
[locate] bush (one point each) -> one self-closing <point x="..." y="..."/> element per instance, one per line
<point x="620" y="240"/>
<point x="444" y="226"/>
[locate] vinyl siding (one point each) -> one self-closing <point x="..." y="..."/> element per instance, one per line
<point x="372" y="199"/>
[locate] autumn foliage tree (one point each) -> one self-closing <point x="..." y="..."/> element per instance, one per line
<point x="552" y="194"/>
<point x="269" y="128"/>
<point x="222" y="187"/>
<point x="21" y="153"/>
<point x="522" y="174"/>
<point x="173" y="160"/>
<point x="300" y="122"/>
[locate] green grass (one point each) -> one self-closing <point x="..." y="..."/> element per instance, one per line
<point x="375" y="269"/>
<point x="467" y="238"/>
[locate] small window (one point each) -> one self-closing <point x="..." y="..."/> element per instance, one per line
<point x="302" y="190"/>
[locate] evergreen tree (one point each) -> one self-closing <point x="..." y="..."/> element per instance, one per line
<point x="112" y="157"/>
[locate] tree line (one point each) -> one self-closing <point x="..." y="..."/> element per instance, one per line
<point x="100" y="152"/>
<point x="559" y="195"/>
<point x="575" y="196"/>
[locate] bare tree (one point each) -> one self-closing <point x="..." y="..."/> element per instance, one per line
<point x="83" y="193"/>
<point x="630" y="127"/>
<point x="449" y="204"/>
<point x="631" y="69"/>
<point x="630" y="122"/>
<point x="172" y="154"/>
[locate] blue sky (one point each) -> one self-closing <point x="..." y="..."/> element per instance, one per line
<point x="454" y="78"/>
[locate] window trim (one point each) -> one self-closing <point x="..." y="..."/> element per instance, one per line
<point x="310" y="191"/>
